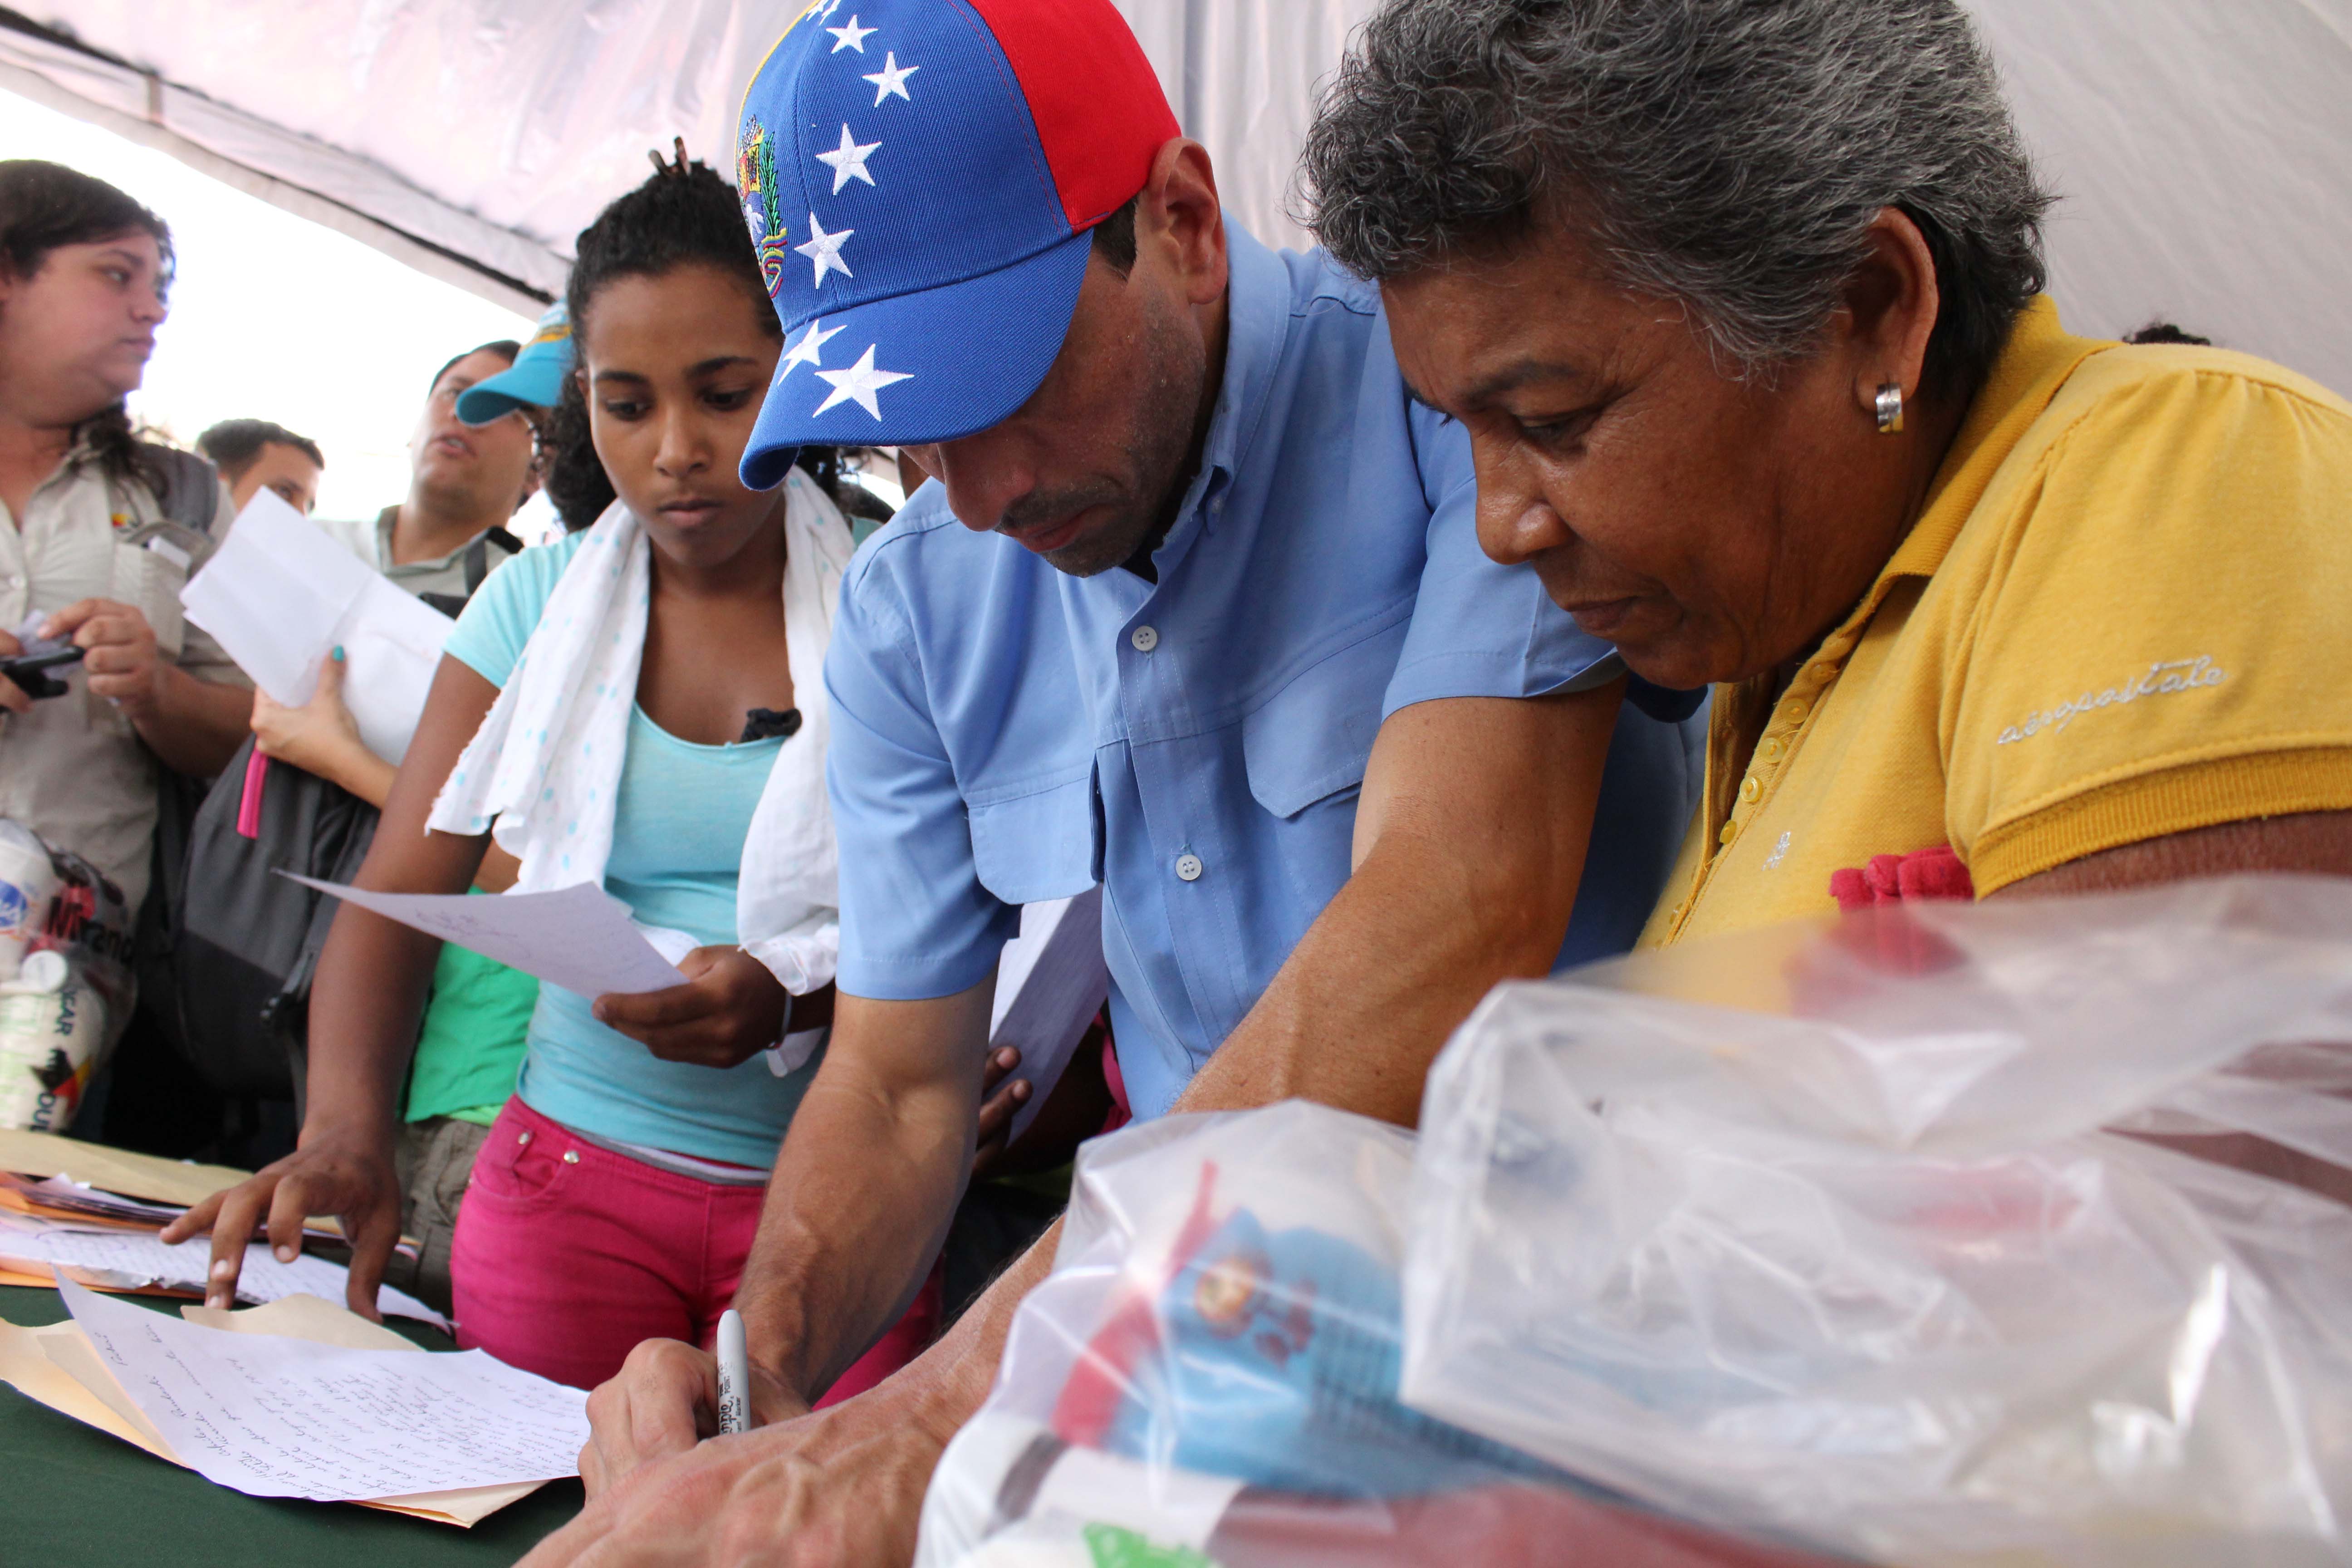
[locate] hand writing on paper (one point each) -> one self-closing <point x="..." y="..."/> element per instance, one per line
<point x="347" y="1175"/>
<point x="728" y="1011"/>
<point x="840" y="1488"/>
<point x="664" y="1401"/>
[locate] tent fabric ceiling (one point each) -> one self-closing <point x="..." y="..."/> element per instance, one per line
<point x="2201" y="150"/>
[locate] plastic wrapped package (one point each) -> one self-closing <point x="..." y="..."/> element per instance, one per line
<point x="1936" y="1261"/>
<point x="1210" y="1377"/>
<point x="69" y="987"/>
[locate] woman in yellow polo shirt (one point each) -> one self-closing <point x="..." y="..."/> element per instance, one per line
<point x="1743" y="308"/>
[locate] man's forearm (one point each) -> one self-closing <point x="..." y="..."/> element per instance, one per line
<point x="949" y="1381"/>
<point x="195" y="726"/>
<point x="859" y="1206"/>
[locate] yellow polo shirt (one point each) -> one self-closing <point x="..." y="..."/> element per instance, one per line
<point x="2124" y="612"/>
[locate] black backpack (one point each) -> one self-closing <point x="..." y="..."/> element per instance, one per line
<point x="189" y="495"/>
<point x="235" y="962"/>
<point x="229" y="964"/>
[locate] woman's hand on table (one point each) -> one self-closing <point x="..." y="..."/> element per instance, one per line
<point x="347" y="1175"/>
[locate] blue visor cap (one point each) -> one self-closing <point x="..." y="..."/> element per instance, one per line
<point x="535" y="379"/>
<point x="921" y="254"/>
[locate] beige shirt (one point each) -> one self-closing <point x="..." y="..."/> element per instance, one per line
<point x="371" y="543"/>
<point x="73" y="770"/>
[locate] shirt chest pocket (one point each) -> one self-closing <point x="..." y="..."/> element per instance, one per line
<point x="1043" y="844"/>
<point x="1311" y="740"/>
<point x="151" y="567"/>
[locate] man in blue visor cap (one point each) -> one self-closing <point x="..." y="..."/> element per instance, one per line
<point x="535" y="379"/>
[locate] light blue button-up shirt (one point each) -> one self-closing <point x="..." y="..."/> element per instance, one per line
<point x="1003" y="733"/>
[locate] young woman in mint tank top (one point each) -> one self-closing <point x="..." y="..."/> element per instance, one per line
<point x="620" y="704"/>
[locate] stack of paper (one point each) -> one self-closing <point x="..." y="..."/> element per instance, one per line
<point x="302" y="1399"/>
<point x="84" y="1206"/>
<point x="111" y="1259"/>
<point x="178" y="1183"/>
<point x="62" y="1197"/>
<point x="105" y="1236"/>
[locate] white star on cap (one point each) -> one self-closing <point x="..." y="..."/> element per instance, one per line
<point x="824" y="249"/>
<point x="810" y="349"/>
<point x="891" y="81"/>
<point x="847" y="161"/>
<point x="858" y="385"/>
<point x="853" y="36"/>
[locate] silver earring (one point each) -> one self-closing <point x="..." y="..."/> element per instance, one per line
<point x="1890" y="408"/>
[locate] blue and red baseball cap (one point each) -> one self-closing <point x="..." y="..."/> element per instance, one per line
<point x="920" y="178"/>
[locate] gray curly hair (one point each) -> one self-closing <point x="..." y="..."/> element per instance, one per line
<point x="1727" y="155"/>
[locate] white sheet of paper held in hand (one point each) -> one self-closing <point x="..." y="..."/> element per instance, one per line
<point x="1051" y="980"/>
<point x="579" y="938"/>
<point x="281" y="1417"/>
<point x="280" y="593"/>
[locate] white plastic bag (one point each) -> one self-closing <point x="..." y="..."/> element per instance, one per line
<point x="1210" y="1377"/>
<point x="1865" y="1271"/>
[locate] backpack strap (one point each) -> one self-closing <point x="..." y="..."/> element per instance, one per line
<point x="477" y="555"/>
<point x="191" y="495"/>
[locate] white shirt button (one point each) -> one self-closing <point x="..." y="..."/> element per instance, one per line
<point x="1145" y="638"/>
<point x="1188" y="867"/>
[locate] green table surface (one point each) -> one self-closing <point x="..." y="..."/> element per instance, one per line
<point x="71" y="1495"/>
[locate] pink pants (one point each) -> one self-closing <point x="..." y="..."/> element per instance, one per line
<point x="567" y="1255"/>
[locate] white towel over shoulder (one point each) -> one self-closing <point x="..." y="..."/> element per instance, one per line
<point x="543" y="770"/>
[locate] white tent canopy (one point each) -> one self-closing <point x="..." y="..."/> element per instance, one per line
<point x="2204" y="151"/>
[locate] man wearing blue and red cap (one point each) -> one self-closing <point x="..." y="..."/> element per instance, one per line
<point x="1194" y="609"/>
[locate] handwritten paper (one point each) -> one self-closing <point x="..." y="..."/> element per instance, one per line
<point x="286" y="1418"/>
<point x="131" y="1261"/>
<point x="280" y="593"/>
<point x="579" y="938"/>
<point x="55" y="1365"/>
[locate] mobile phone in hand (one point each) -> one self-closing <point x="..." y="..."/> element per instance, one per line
<point x="30" y="672"/>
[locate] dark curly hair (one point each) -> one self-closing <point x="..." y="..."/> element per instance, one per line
<point x="45" y="206"/>
<point x="684" y="216"/>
